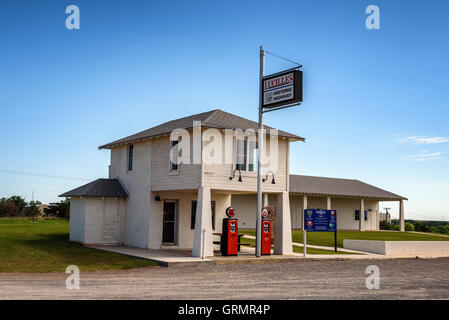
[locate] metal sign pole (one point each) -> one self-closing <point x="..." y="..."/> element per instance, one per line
<point x="259" y="154"/>
<point x="335" y="239"/>
<point x="304" y="235"/>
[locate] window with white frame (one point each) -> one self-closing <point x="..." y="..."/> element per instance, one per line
<point x="174" y="159"/>
<point x="246" y="155"/>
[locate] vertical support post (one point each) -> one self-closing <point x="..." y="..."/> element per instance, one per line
<point x="259" y="155"/>
<point x="304" y="232"/>
<point x="362" y="214"/>
<point x="202" y="239"/>
<point x="265" y="199"/>
<point x="401" y="216"/>
<point x="283" y="232"/>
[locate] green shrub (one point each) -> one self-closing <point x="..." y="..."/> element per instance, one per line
<point x="384" y="225"/>
<point x="409" y="226"/>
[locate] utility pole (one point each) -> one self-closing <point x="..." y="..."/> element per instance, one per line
<point x="259" y="155"/>
<point x="386" y="215"/>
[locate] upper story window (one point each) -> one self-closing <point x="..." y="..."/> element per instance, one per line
<point x="130" y="157"/>
<point x="174" y="159"/>
<point x="246" y="155"/>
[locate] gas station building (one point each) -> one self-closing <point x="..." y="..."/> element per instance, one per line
<point x="148" y="202"/>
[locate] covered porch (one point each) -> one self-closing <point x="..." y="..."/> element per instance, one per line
<point x="356" y="202"/>
<point x="348" y="210"/>
<point x="188" y="219"/>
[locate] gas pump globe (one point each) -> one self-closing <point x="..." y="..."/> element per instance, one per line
<point x="230" y="212"/>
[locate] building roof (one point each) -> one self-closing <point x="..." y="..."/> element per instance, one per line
<point x="99" y="188"/>
<point x="211" y="119"/>
<point x="321" y="186"/>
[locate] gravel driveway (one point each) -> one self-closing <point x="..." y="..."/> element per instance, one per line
<point x="341" y="279"/>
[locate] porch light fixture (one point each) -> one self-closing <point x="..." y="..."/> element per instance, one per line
<point x="233" y="175"/>
<point x="266" y="177"/>
<point x="157" y="198"/>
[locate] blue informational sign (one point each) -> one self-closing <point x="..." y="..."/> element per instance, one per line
<point x="320" y="220"/>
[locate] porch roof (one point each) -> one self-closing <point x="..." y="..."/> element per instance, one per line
<point x="323" y="186"/>
<point x="99" y="188"/>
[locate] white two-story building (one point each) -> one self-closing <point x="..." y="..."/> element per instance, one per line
<point x="169" y="186"/>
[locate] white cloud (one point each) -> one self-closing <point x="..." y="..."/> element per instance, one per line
<point x="422" y="140"/>
<point x="425" y="156"/>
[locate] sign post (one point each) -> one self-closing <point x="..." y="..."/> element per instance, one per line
<point x="259" y="164"/>
<point x="335" y="239"/>
<point x="276" y="91"/>
<point x="304" y="241"/>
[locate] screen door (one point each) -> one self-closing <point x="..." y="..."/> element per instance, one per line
<point x="169" y="222"/>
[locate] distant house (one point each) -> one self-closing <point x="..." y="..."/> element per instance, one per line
<point x="41" y="208"/>
<point x="149" y="201"/>
<point x="385" y="216"/>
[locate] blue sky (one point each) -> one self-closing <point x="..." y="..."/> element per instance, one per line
<point x="374" y="100"/>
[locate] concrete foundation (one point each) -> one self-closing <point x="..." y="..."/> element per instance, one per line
<point x="398" y="248"/>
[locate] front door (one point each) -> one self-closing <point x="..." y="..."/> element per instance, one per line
<point x="111" y="222"/>
<point x="169" y="222"/>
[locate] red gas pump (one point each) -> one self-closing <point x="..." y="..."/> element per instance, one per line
<point x="266" y="233"/>
<point x="229" y="236"/>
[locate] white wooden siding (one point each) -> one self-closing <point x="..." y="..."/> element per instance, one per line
<point x="188" y="176"/>
<point x="216" y="176"/>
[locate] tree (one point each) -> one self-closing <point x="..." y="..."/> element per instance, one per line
<point x="19" y="202"/>
<point x="32" y="210"/>
<point x="421" y="227"/>
<point x="59" y="209"/>
<point x="8" y="208"/>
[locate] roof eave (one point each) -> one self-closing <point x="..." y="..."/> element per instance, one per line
<point x="294" y="139"/>
<point x="89" y="196"/>
<point x="111" y="145"/>
<point x="311" y="194"/>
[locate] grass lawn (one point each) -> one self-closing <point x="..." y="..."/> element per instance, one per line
<point x="327" y="238"/>
<point x="44" y="246"/>
<point x="299" y="249"/>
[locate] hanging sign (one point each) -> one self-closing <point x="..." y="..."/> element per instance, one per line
<point x="282" y="89"/>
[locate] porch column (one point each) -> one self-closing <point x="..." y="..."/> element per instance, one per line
<point x="362" y="214"/>
<point x="401" y="216"/>
<point x="265" y="199"/>
<point x="283" y="234"/>
<point x="328" y="203"/>
<point x="202" y="240"/>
